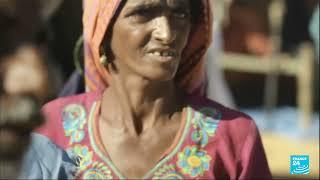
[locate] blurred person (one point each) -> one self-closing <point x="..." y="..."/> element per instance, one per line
<point x="247" y="28"/>
<point x="145" y="114"/>
<point x="24" y="78"/>
<point x="21" y="92"/>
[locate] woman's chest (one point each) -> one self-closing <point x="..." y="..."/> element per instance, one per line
<point x="135" y="156"/>
<point x="188" y="154"/>
<point x="186" y="162"/>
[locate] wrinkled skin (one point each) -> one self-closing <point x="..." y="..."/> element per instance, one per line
<point x="145" y="30"/>
<point x="141" y="110"/>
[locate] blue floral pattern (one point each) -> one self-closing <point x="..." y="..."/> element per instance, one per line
<point x="205" y="123"/>
<point x="193" y="162"/>
<point x="74" y="119"/>
<point x="83" y="155"/>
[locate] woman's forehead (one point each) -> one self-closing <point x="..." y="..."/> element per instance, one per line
<point x="152" y="3"/>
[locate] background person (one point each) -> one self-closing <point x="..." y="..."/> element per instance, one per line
<point x="23" y="78"/>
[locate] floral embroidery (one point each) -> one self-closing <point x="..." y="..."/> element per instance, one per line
<point x="212" y="113"/>
<point x="193" y="162"/>
<point x="74" y="119"/>
<point x="98" y="171"/>
<point x="84" y="156"/>
<point x="167" y="172"/>
<point x="205" y="123"/>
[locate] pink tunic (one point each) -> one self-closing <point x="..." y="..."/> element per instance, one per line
<point x="213" y="142"/>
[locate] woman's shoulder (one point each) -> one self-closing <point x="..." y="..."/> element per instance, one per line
<point x="230" y="123"/>
<point x="84" y="99"/>
<point x="235" y="137"/>
<point x="65" y="114"/>
<point x="81" y="102"/>
<point x="225" y="113"/>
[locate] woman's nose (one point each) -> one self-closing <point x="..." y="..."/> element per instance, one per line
<point x="164" y="31"/>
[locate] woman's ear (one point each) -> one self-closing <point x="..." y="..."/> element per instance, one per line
<point x="103" y="57"/>
<point x="105" y="48"/>
<point x="107" y="57"/>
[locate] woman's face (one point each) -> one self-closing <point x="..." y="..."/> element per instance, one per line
<point x="148" y="37"/>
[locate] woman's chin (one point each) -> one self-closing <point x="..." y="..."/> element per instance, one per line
<point x="160" y="76"/>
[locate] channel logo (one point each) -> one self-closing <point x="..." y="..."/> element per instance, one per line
<point x="299" y="164"/>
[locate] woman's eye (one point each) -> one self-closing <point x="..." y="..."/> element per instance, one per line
<point x="143" y="14"/>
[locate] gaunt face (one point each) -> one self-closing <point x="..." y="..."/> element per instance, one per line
<point x="148" y="37"/>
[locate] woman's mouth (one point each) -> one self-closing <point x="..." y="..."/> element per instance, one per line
<point x="162" y="55"/>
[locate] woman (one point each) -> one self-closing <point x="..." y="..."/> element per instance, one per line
<point x="145" y="116"/>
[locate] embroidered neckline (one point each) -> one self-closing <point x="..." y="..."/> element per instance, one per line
<point x="171" y="152"/>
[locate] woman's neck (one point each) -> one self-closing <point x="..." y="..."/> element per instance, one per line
<point x="134" y="104"/>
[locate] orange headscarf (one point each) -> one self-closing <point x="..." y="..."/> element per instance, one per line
<point x="191" y="74"/>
